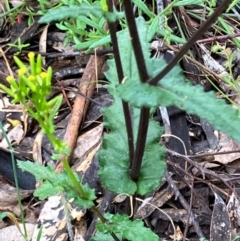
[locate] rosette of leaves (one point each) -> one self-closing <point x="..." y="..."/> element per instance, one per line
<point x="114" y="155"/>
<point x="173" y="89"/>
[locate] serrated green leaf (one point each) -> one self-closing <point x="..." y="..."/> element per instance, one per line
<point x="152" y="170"/>
<point x="114" y="157"/>
<point x="89" y="194"/>
<point x="72" y="11"/>
<point x="46" y="190"/>
<point x="114" y="16"/>
<point x="130" y="230"/>
<point x="54" y="183"/>
<point x="40" y="172"/>
<point x="194" y="100"/>
<point x="174" y="90"/>
<point x="145" y="94"/>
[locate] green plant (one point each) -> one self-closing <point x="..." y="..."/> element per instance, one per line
<point x="131" y="161"/>
<point x="31" y="89"/>
<point x="229" y="55"/>
<point x="20" y="46"/>
<point x="86" y="29"/>
<point x="17" y="11"/>
<point x="26" y="8"/>
<point x="44" y="6"/>
<point x="12" y="13"/>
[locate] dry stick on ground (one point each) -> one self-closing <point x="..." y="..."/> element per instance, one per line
<point x="218" y="38"/>
<point x="86" y="87"/>
<point x="184" y="203"/>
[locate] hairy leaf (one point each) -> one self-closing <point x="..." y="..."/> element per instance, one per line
<point x="40" y="172"/>
<point x="130" y="230"/>
<point x="114" y="155"/>
<point x="46" y="190"/>
<point x="72" y="11"/>
<point x="174" y="90"/>
<point x="55" y="183"/>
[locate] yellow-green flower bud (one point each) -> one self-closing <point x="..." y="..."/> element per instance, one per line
<point x="19" y="63"/>
<point x="31" y="78"/>
<point x="12" y="82"/>
<point x="31" y="56"/>
<point x="21" y="71"/>
<point x="43" y="75"/>
<point x="9" y="78"/>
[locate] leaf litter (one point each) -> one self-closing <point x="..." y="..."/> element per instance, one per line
<point x="201" y="195"/>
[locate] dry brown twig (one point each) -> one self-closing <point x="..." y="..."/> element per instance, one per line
<point x="86" y="87"/>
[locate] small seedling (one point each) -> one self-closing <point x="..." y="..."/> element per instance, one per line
<point x="19" y="45"/>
